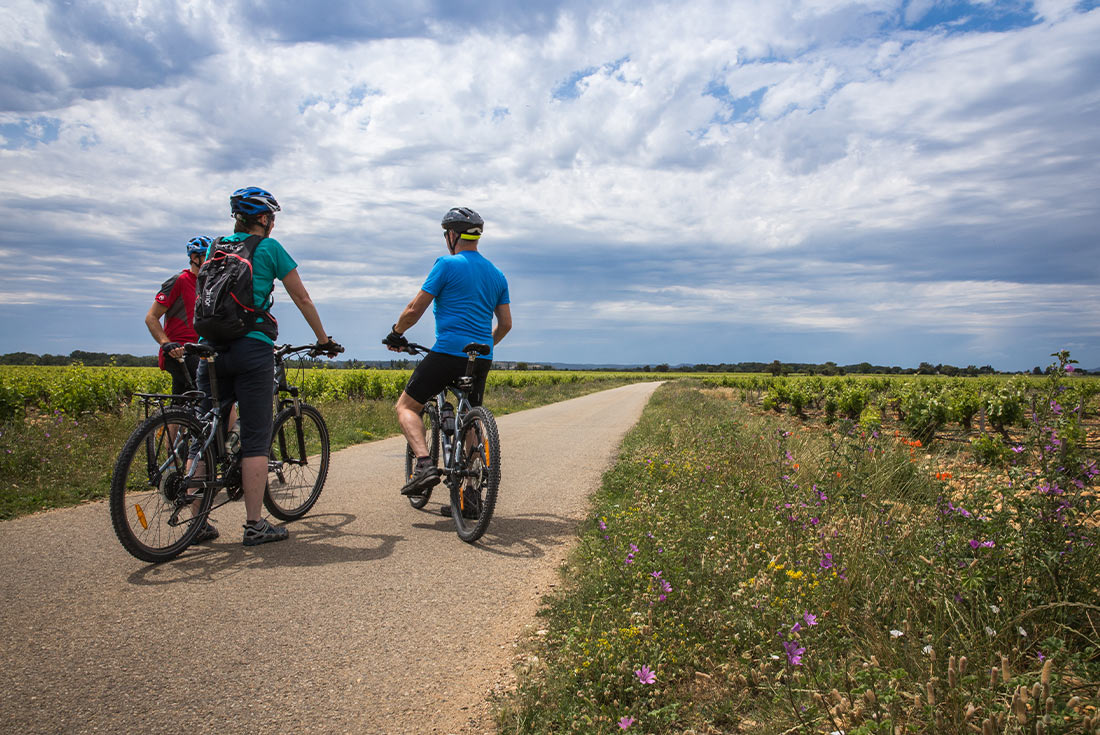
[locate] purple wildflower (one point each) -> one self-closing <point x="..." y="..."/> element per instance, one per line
<point x="626" y="722"/>
<point x="645" y="675"/>
<point x="794" y="652"/>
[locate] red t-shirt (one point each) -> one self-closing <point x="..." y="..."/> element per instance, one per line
<point x="177" y="294"/>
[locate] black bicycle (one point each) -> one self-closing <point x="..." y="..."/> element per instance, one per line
<point x="176" y="461"/>
<point x="466" y="439"/>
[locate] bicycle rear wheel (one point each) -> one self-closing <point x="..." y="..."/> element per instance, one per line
<point x="431" y="429"/>
<point x="474" y="497"/>
<point x="298" y="462"/>
<point x="151" y="505"/>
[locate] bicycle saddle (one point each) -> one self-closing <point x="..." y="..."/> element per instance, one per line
<point x="478" y="348"/>
<point x="199" y="348"/>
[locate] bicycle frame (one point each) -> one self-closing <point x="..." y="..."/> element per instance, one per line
<point x="215" y="431"/>
<point x="453" y="442"/>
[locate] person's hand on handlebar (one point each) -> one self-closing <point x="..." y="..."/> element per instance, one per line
<point x="173" y="350"/>
<point x="328" y="348"/>
<point x="396" y="341"/>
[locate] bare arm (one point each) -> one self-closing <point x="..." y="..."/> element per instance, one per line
<point x="152" y="321"/>
<point x="412" y="313"/>
<point x="504" y="323"/>
<point x="300" y="296"/>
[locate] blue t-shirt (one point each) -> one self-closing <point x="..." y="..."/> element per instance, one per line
<point x="467" y="290"/>
<point x="269" y="261"/>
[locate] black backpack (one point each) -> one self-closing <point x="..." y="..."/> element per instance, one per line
<point x="224" y="302"/>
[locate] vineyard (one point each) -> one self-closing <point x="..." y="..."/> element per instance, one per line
<point x="923" y="406"/>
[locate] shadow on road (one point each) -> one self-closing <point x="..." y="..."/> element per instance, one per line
<point x="524" y="536"/>
<point x="314" y="541"/>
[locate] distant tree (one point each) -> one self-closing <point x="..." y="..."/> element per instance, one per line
<point x="950" y="370"/>
<point x="19" y="358"/>
<point x="926" y="368"/>
<point x="1036" y="370"/>
<point x="831" y="368"/>
<point x="519" y="365"/>
<point x="662" y="368"/>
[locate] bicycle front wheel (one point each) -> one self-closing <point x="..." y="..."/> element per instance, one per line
<point x="431" y="436"/>
<point x="474" y="497"/>
<point x="298" y="462"/>
<point x="155" y="511"/>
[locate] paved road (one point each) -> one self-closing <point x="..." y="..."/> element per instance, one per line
<point x="372" y="618"/>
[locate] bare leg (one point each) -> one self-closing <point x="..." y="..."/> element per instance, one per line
<point x="412" y="425"/>
<point x="254" y="481"/>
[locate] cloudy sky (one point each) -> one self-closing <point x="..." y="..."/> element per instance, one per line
<point x="894" y="181"/>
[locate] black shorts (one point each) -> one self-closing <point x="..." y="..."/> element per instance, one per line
<point x="438" y="370"/>
<point x="180" y="371"/>
<point x="246" y="374"/>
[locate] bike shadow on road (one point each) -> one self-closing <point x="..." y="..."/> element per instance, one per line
<point x="318" y="540"/>
<point x="522" y="536"/>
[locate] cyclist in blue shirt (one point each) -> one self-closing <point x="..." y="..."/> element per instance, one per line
<point x="468" y="291"/>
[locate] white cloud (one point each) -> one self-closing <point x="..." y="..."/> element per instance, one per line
<point x="839" y="128"/>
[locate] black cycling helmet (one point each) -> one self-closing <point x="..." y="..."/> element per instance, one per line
<point x="465" y="221"/>
<point x="252" y="200"/>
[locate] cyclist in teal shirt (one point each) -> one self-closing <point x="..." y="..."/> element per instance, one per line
<point x="246" y="365"/>
<point x="468" y="291"/>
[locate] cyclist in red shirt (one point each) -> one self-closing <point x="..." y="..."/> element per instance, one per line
<point x="175" y="302"/>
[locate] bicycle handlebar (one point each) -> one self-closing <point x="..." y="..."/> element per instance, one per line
<point x="414" y="349"/>
<point x="314" y="350"/>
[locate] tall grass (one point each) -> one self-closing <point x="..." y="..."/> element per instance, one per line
<point x="741" y="573"/>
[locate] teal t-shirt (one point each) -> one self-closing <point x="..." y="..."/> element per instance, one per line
<point x="269" y="261"/>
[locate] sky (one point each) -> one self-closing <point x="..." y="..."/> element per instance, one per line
<point x="890" y="181"/>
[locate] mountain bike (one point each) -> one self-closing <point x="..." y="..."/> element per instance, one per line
<point x="465" y="437"/>
<point x="176" y="461"/>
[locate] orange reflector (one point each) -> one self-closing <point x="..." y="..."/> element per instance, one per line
<point x="141" y="517"/>
<point x="488" y="463"/>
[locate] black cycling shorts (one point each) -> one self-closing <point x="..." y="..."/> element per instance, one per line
<point x="438" y="370"/>
<point x="246" y="374"/>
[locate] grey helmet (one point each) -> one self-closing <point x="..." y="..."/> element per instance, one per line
<point x="465" y="221"/>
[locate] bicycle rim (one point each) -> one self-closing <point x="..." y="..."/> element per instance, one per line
<point x="297" y="464"/>
<point x="431" y="436"/>
<point x="152" y="510"/>
<point x="475" y="495"/>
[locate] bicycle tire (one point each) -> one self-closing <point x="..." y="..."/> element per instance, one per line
<point x="480" y="488"/>
<point x="431" y="428"/>
<point x="146" y="495"/>
<point x="297" y="463"/>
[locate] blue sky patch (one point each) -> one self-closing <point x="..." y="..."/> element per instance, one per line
<point x="965" y="17"/>
<point x="570" y="88"/>
<point x="29" y="132"/>
<point x="736" y="109"/>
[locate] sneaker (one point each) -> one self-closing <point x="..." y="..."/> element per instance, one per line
<point x="207" y="533"/>
<point x="424" y="478"/>
<point x="262" y="532"/>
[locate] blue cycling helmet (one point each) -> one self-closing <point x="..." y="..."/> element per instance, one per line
<point x="252" y="200"/>
<point x="198" y="245"/>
